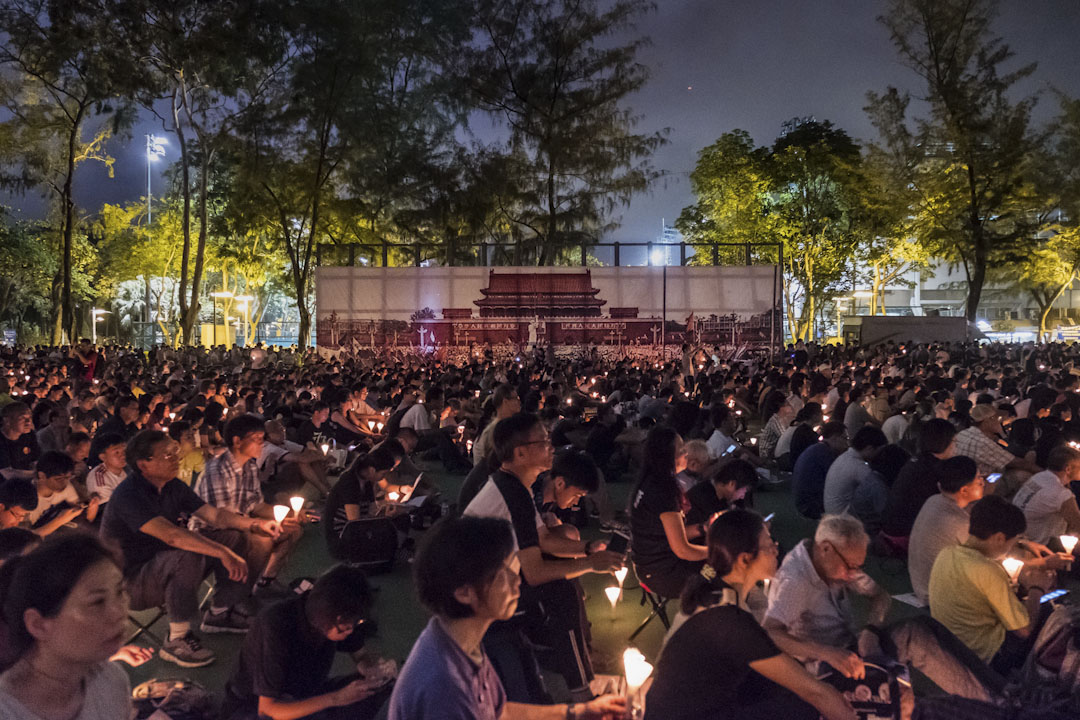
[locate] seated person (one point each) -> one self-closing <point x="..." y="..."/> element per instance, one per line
<point x="285" y="466"/>
<point x="810" y="616"/>
<point x="467" y="575"/>
<point x="58" y="501"/>
<point x="973" y="596"/>
<point x="110" y="470"/>
<point x="872" y="494"/>
<point x="664" y="556"/>
<point x="164" y="562"/>
<point x="192" y="457"/>
<point x="918" y="480"/>
<point x="573" y="475"/>
<point x="1049" y="504"/>
<point x="555" y="613"/>
<point x="283" y="670"/>
<point x="698" y="469"/>
<point x="729" y="487"/>
<point x="723" y="436"/>
<point x="353" y="498"/>
<point x="18" y="443"/>
<point x="943" y="521"/>
<point x="78" y="449"/>
<point x="18" y="498"/>
<point x="812" y="467"/>
<point x="850" y="469"/>
<point x="717" y="662"/>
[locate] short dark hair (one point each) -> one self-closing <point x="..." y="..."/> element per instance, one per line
<point x="13" y="410"/>
<point x="1060" y="457"/>
<point x="54" y="462"/>
<point x="740" y="472"/>
<point x="956" y="472"/>
<point x="341" y="594"/>
<point x="18" y="492"/>
<point x="141" y="447"/>
<point x="502" y="394"/>
<point x="577" y="469"/>
<point x="107" y="440"/>
<point x="868" y="437"/>
<point x="511" y="433"/>
<point x="832" y="429"/>
<point x="78" y="438"/>
<point x="995" y="514"/>
<point x="459" y="552"/>
<point x="240" y="426"/>
<point x="935" y="435"/>
<point x="178" y="428"/>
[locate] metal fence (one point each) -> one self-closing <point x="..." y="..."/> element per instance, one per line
<point x="148" y="334"/>
<point x="611" y="254"/>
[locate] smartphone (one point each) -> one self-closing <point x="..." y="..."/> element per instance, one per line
<point x="618" y="543"/>
<point x="730" y="449"/>
<point x="1053" y="595"/>
<point x="993" y="478"/>
<point x="769" y="517"/>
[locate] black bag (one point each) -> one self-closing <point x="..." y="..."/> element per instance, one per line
<point x="368" y="543"/>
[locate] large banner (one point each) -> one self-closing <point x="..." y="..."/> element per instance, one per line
<point x="428" y="308"/>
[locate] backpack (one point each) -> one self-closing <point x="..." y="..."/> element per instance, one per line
<point x="369" y="543"/>
<point x="1053" y="665"/>
<point x="172" y="699"/>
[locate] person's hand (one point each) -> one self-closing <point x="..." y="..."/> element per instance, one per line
<point x="1055" y="561"/>
<point x="71" y="513"/>
<point x="92" y="507"/>
<point x="266" y="527"/>
<point x="605" y="707"/>
<point x="354" y="692"/>
<point x="404" y="492"/>
<point x="844" y="662"/>
<point x="1037" y="549"/>
<point x="869" y="644"/>
<point x="605" y="561"/>
<point x="133" y="655"/>
<point x="235" y="565"/>
<point x="594" y="546"/>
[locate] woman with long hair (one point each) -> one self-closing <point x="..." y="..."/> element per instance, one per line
<point x="65" y="606"/>
<point x="717" y="662"/>
<point x="664" y="558"/>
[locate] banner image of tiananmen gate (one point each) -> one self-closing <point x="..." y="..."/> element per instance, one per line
<point x="431" y="307"/>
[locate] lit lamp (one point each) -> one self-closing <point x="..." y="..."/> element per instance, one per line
<point x="1013" y="566"/>
<point x="280" y="512"/>
<point x="297" y="503"/>
<point x="638" y="671"/>
<point x="1068" y="542"/>
<point x="468" y="445"/>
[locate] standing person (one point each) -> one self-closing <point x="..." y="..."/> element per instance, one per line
<point x="468" y="576"/>
<point x="65" y="605"/>
<point x="663" y="554"/>
<point x="717" y="660"/>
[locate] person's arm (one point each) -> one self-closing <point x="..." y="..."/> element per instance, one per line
<point x="10" y="473"/>
<point x="354" y="692"/>
<point x="559" y="545"/>
<point x="675" y="531"/>
<point x="844" y="661"/>
<point x="1071" y="512"/>
<point x="227" y="520"/>
<point x="183" y="539"/>
<point x="783" y="670"/>
<point x="538" y="571"/>
<point x="1023" y="464"/>
<point x="61" y="519"/>
<point x="601" y="708"/>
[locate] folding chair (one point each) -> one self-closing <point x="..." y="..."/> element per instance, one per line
<point x="146" y="628"/>
<point x="659" y="608"/>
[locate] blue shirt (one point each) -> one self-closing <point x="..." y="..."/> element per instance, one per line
<point x="440" y="682"/>
<point x="808" y="479"/>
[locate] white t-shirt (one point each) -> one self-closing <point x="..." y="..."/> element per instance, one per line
<point x="894" y="428"/>
<point x="108" y="697"/>
<point x="417" y="417"/>
<point x="1041" y="498"/>
<point x="102" y="481"/>
<point x="269" y="460"/>
<point x="718" y="442"/>
<point x="68" y="495"/>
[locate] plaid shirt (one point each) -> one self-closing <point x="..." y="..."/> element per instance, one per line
<point x="987" y="454"/>
<point x="227" y="485"/>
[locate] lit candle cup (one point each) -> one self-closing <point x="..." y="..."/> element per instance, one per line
<point x="280" y="511"/>
<point x="371" y="424"/>
<point x="753" y="441"/>
<point x="613" y="597"/>
<point x="325" y="448"/>
<point x="1068" y="542"/>
<point x="637" y="670"/>
<point x="379" y="426"/>
<point x="297" y="504"/>
<point x="620" y="574"/>
<point x="392" y="496"/>
<point x="1013" y="566"/>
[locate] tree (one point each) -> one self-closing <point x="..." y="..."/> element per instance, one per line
<point x="26" y="271"/>
<point x="549" y="71"/>
<point x="61" y="80"/>
<point x="1048" y="271"/>
<point x="968" y="156"/>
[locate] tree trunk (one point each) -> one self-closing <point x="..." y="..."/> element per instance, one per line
<point x="190" y="314"/>
<point x="67" y="310"/>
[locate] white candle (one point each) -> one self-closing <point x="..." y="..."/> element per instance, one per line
<point x="637" y="668"/>
<point x="297" y="504"/>
<point x="1013" y="566"/>
<point x="325" y="448"/>
<point x="620" y="574"/>
<point x="613" y="596"/>
<point x="280" y="511"/>
<point x="1068" y="542"/>
<point x="392" y="495"/>
<point x="379" y="426"/>
<point x="370" y="424"/>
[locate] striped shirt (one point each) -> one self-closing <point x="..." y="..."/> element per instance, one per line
<point x="227" y="485"/>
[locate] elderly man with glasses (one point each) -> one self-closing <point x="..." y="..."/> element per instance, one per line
<point x="809" y="616"/>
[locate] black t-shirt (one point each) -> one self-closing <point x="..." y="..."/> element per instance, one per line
<point x="651" y="549"/>
<point x="704" y="671"/>
<point x="803" y="437"/>
<point x="115" y="425"/>
<point x="351" y="489"/>
<point x="284" y="657"/>
<point x="136" y="502"/>
<point x="21" y="453"/>
<point x="917" y="481"/>
<point x="317" y="435"/>
<point x="703" y="503"/>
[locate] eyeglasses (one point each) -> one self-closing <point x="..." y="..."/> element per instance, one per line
<point x="850" y="568"/>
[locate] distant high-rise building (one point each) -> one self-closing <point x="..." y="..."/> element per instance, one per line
<point x="669" y="239"/>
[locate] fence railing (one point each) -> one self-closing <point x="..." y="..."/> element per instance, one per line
<point x="612" y="254"/>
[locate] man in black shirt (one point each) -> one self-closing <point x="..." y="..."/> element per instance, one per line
<point x="122" y="421"/>
<point x="284" y="665"/>
<point x="164" y="562"/>
<point x="727" y="488"/>
<point x="18" y="444"/>
<point x="918" y="480"/>
<point x="315" y="433"/>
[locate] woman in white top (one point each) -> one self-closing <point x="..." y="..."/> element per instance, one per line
<point x="65" y="608"/>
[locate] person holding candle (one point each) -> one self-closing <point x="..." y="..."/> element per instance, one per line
<point x="717" y="662"/>
<point x="468" y="576"/>
<point x="1048" y="503"/>
<point x="972" y="594"/>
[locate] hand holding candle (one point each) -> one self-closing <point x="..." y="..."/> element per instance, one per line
<point x="1068" y="542"/>
<point x="280" y="513"/>
<point x="1013" y="566"/>
<point x="620" y="575"/>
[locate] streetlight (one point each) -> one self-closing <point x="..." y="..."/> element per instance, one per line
<point x="95" y="315"/>
<point x="155" y="148"/>
<point x="216" y="295"/>
<point x="245" y="306"/>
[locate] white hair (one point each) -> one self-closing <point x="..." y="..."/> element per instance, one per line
<point x="842" y="531"/>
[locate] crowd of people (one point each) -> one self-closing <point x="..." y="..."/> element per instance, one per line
<point x="131" y="480"/>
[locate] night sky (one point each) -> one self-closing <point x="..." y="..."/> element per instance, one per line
<point x="751" y="64"/>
